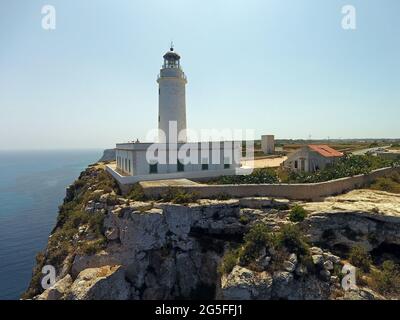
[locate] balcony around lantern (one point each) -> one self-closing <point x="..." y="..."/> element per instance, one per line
<point x="172" y="73"/>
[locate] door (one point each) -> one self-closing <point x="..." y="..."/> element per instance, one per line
<point x="303" y="164"/>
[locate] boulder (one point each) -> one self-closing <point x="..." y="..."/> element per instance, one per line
<point x="58" y="290"/>
<point x="105" y="283"/>
<point x="244" y="284"/>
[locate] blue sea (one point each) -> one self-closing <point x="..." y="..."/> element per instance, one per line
<point x="32" y="186"/>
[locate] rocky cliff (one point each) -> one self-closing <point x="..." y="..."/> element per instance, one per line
<point x="106" y="246"/>
<point x="108" y="155"/>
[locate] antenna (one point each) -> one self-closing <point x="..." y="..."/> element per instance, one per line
<point x="172" y="46"/>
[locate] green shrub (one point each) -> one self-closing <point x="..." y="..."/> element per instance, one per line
<point x="229" y="261"/>
<point x="388" y="184"/>
<point x="244" y="219"/>
<point x="297" y="213"/>
<point x="93" y="247"/>
<point x="136" y="193"/>
<point x="179" y="196"/>
<point x="387" y="280"/>
<point x="360" y="258"/>
<point x="258" y="176"/>
<point x="223" y="196"/>
<point x="347" y="166"/>
<point x="258" y="237"/>
<point x="291" y="237"/>
<point x="288" y="239"/>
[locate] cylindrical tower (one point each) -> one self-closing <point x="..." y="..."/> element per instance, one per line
<point x="171" y="99"/>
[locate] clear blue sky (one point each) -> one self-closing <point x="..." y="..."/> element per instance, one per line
<point x="278" y="66"/>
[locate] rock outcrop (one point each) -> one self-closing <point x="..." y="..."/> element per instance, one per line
<point x="108" y="155"/>
<point x="156" y="250"/>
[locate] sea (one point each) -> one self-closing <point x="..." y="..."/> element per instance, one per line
<point x="32" y="186"/>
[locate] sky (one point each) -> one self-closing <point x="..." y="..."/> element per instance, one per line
<point x="283" y="67"/>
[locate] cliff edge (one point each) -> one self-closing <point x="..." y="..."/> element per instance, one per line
<point x="106" y="246"/>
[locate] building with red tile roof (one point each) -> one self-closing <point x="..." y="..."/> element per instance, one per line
<point x="312" y="158"/>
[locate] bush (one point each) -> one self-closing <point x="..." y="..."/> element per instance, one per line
<point x="291" y="238"/>
<point x="297" y="213"/>
<point x="136" y="193"/>
<point x="347" y="166"/>
<point x="244" y="219"/>
<point x="388" y="184"/>
<point x="258" y="238"/>
<point x="386" y="280"/>
<point x="287" y="240"/>
<point x="229" y="261"/>
<point x="179" y="196"/>
<point x="258" y="176"/>
<point x="93" y="247"/>
<point x="360" y="258"/>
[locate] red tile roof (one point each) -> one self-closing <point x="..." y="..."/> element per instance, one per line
<point x="325" y="150"/>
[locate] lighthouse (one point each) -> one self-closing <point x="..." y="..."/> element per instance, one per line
<point x="172" y="100"/>
<point x="172" y="157"/>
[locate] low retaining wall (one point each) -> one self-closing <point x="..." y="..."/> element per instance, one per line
<point x="305" y="191"/>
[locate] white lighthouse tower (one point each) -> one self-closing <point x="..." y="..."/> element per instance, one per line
<point x="172" y="99"/>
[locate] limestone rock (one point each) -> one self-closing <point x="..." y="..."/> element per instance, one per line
<point x="328" y="265"/>
<point x="82" y="262"/>
<point x="256" y="203"/>
<point x="244" y="284"/>
<point x="105" y="283"/>
<point x="318" y="260"/>
<point x="58" y="290"/>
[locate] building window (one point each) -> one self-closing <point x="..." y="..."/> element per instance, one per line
<point x="181" y="166"/>
<point x="296" y="164"/>
<point x="129" y="165"/>
<point x="153" y="168"/>
<point x="204" y="166"/>
<point x="227" y="164"/>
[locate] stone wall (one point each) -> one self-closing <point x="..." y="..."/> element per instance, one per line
<point x="309" y="191"/>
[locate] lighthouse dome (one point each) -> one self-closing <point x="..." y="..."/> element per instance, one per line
<point x="171" y="55"/>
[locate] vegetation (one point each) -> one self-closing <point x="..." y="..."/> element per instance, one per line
<point x="291" y="238"/>
<point x="297" y="213"/>
<point x="388" y="184"/>
<point x="360" y="258"/>
<point x="179" y="196"/>
<point x="72" y="216"/>
<point x="386" y="280"/>
<point x="136" y="193"/>
<point x="258" y="176"/>
<point x="259" y="239"/>
<point x="244" y="219"/>
<point x="229" y="261"/>
<point x="348" y="166"/>
<point x="92" y="247"/>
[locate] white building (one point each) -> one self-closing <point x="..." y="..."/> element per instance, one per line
<point x="312" y="158"/>
<point x="172" y="157"/>
<point x="268" y="144"/>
